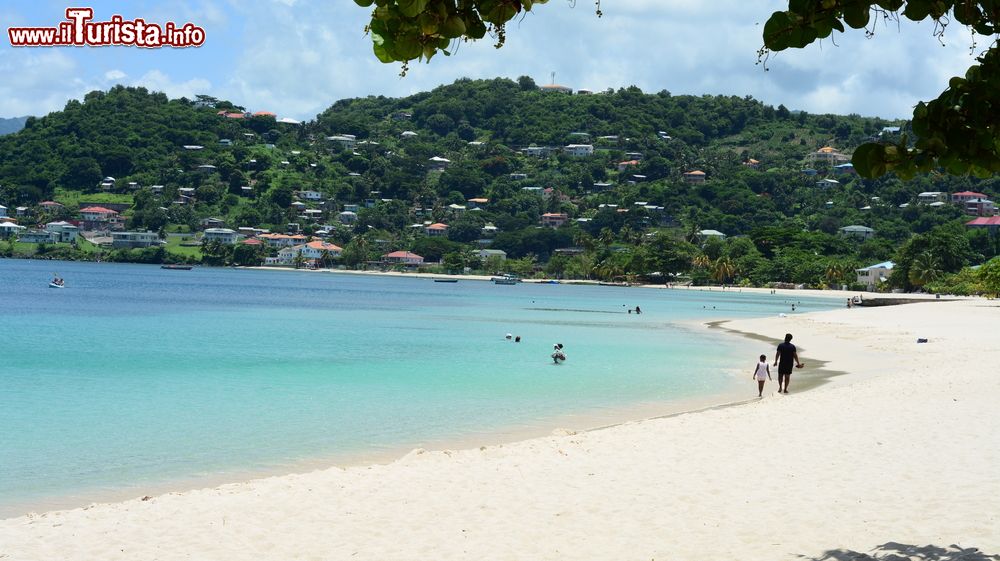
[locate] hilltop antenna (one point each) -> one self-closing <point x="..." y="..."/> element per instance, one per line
<point x="553" y="74"/>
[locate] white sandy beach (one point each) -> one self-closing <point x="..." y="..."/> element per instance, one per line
<point x="905" y="448"/>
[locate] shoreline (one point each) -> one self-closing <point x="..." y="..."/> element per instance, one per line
<point x="905" y="452"/>
<point x="561" y="424"/>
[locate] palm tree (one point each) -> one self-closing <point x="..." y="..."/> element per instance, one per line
<point x="837" y="272"/>
<point x="723" y="269"/>
<point x="924" y="269"/>
<point x="701" y="261"/>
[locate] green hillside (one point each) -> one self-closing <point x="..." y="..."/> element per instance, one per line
<point x="780" y="224"/>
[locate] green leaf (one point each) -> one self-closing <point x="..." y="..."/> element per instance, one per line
<point x="776" y="31"/>
<point x="857" y="15"/>
<point x="869" y="160"/>
<point x="410" y="8"/>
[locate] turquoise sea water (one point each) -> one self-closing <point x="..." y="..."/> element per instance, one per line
<point x="135" y="376"/>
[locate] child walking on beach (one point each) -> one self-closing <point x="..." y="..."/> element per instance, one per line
<point x="763" y="369"/>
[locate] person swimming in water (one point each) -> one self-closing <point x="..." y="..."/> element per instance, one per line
<point x="557" y="353"/>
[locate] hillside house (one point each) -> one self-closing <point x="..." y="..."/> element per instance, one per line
<point x="963" y="196"/>
<point x="554" y="219"/>
<point x="857" y="232"/>
<point x="134" y="239"/>
<point x="979" y="207"/>
<point x="579" y="150"/>
<point x="695" y="176"/>
<point x="828" y="155"/>
<point x="437" y="229"/>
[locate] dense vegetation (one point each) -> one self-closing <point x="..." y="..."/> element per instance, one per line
<point x="780" y="226"/>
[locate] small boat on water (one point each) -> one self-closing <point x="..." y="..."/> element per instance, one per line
<point x="506" y="279"/>
<point x="445" y="280"/>
<point x="54" y="284"/>
<point x="176" y="267"/>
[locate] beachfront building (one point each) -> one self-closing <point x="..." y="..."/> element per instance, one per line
<point x="485" y="254"/>
<point x="695" y="176"/>
<point x="857" y="232"/>
<point x="8" y="229"/>
<point x="403" y="258"/>
<point x="874" y="275"/>
<point x="64" y="231"/>
<point x="134" y="239"/>
<point x="37" y="236"/>
<point x="282" y="240"/>
<point x="221" y="235"/>
<point x="554" y="219"/>
<point x="313" y="253"/>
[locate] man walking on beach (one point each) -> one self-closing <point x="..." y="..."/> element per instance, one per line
<point x="784" y="359"/>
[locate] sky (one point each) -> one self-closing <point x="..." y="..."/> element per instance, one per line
<point x="297" y="57"/>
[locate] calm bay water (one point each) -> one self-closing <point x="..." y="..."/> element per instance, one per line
<point x="136" y="376"/>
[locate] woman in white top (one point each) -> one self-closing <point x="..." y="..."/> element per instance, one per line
<point x="762" y="372"/>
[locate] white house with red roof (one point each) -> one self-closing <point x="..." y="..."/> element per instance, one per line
<point x="963" y="196"/>
<point x="403" y="257"/>
<point x="312" y="252"/>
<point x="100" y="218"/>
<point x="437" y="229"/>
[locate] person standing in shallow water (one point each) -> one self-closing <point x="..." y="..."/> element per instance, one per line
<point x="786" y="357"/>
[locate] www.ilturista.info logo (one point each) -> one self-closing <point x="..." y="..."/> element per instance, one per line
<point x="78" y="30"/>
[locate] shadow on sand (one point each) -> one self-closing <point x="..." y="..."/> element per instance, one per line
<point x="893" y="551"/>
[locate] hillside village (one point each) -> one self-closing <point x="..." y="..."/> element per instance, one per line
<point x="487" y="176"/>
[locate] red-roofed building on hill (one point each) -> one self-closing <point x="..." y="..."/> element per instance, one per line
<point x="991" y="222"/>
<point x="437" y="229"/>
<point x="622" y="166"/>
<point x="554" y="219"/>
<point x="403" y="257"/>
<point x="264" y="114"/>
<point x="963" y="196"/>
<point x="100" y="218"/>
<point x="252" y="241"/>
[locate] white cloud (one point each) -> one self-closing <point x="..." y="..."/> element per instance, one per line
<point x="38" y="81"/>
<point x="114" y="75"/>
<point x="158" y="81"/>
